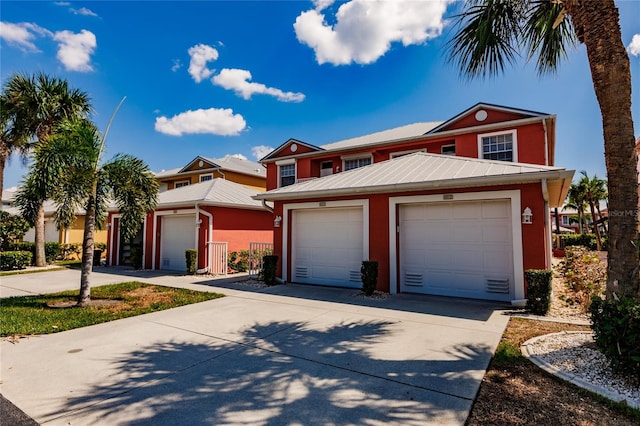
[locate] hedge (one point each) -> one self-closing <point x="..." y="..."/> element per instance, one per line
<point x="586" y="240"/>
<point x="51" y="249"/>
<point x="538" y="290"/>
<point x="369" y="276"/>
<point x="11" y="260"/>
<point x="191" y="257"/>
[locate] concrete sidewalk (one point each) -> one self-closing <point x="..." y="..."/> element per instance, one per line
<point x="281" y="355"/>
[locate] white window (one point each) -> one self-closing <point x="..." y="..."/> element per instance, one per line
<point x="354" y="163"/>
<point x="287" y="174"/>
<point x="326" y="168"/>
<point x="565" y="220"/>
<point x="206" y="177"/>
<point x="500" y="146"/>
<point x="182" y="183"/>
<point x="448" y="150"/>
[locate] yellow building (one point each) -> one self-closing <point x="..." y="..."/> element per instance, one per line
<point x="202" y="169"/>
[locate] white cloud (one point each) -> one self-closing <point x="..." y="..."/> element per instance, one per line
<point x="634" y="46"/>
<point x="322" y="4"/>
<point x="22" y="35"/>
<point x="202" y="121"/>
<point x="83" y="11"/>
<point x="62" y="3"/>
<point x="75" y="49"/>
<point x="201" y="54"/>
<point x="365" y="29"/>
<point x="240" y="156"/>
<point x="261" y="151"/>
<point x="177" y="64"/>
<point x="238" y="81"/>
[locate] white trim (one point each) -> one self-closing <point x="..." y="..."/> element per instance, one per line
<point x="286" y="162"/>
<point x="175" y="185"/>
<point x="286" y="208"/>
<point x="447" y="145"/>
<point x="113" y="236"/>
<point x="514" y="137"/>
<point x="205" y="175"/>
<point x="516" y="230"/>
<point x="397" y="154"/>
<point x="155" y="229"/>
<point x="295" y="173"/>
<point x="352" y="157"/>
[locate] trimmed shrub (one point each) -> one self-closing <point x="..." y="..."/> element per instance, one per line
<point x="538" y="290"/>
<point x="585" y="240"/>
<point x="616" y="326"/>
<point x="11" y="260"/>
<point x="51" y="251"/>
<point x="269" y="266"/>
<point x="191" y="257"/>
<point x="369" y="276"/>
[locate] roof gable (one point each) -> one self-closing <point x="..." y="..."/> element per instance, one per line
<point x="389" y="135"/>
<point x="199" y="163"/>
<point x="289" y="148"/>
<point x="483" y="114"/>
<point x="230" y="163"/>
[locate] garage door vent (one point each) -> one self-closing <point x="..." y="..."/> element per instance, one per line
<point x="354" y="277"/>
<point x="302" y="272"/>
<point x="498" y="285"/>
<point x="413" y="279"/>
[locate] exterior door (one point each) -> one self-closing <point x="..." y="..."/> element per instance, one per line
<point x="177" y="235"/>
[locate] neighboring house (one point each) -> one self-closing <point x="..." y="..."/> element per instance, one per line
<point x="195" y="217"/>
<point x="455" y="208"/>
<point x="568" y="219"/>
<point x="71" y="235"/>
<point x="202" y="169"/>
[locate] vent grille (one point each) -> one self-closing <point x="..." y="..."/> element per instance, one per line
<point x="354" y="277"/>
<point x="413" y="279"/>
<point x="302" y="272"/>
<point x="498" y="285"/>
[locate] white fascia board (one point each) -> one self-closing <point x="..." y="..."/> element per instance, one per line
<point x="417" y="186"/>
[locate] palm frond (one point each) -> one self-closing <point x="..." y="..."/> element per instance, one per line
<point x="547" y="35"/>
<point x="487" y="38"/>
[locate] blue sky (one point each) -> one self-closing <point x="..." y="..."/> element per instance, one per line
<point x="217" y="78"/>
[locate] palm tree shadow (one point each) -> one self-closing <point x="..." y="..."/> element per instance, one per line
<point x="281" y="373"/>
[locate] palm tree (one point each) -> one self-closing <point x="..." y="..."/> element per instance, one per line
<point x="492" y="33"/>
<point x="576" y="200"/>
<point x="594" y="190"/>
<point x="32" y="106"/>
<point x="70" y="164"/>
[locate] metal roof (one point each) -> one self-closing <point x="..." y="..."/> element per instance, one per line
<point x="216" y="192"/>
<point x="226" y="163"/>
<point x="402" y="132"/>
<point x="420" y="171"/>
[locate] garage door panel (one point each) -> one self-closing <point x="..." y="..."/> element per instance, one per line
<point x="467" y="249"/>
<point x="178" y="235"/>
<point x="327" y="246"/>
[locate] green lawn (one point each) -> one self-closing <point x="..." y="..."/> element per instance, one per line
<point x="34" y="315"/>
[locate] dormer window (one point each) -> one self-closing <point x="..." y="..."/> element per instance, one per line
<point x="181" y="184"/>
<point x="287" y="174"/>
<point x="206" y="177"/>
<point x="500" y="146"/>
<point x="350" y="163"/>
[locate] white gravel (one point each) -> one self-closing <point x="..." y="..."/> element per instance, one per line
<point x="574" y="356"/>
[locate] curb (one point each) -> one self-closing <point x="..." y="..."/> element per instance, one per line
<point x="552" y="319"/>
<point x="571" y="378"/>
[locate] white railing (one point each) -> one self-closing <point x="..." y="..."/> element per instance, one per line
<point x="256" y="252"/>
<point x="219" y="258"/>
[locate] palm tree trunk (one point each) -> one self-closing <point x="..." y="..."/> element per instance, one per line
<point x="4" y="154"/>
<point x="595" y="226"/>
<point x="84" y="298"/>
<point x="39" y="238"/>
<point x="597" y="24"/>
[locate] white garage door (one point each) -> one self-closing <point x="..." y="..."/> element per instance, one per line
<point x="178" y="234"/>
<point x="457" y="249"/>
<point x="327" y="246"/>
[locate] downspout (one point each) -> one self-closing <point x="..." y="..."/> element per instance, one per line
<point x="155" y="241"/>
<point x="221" y="174"/>
<point x="266" y="206"/>
<point x="209" y="216"/>
<point x="546" y="143"/>
<point x="547" y="226"/>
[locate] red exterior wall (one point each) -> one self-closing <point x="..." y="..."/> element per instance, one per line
<point x="493" y="116"/>
<point x="533" y="235"/>
<point x="148" y="242"/>
<point x="239" y="227"/>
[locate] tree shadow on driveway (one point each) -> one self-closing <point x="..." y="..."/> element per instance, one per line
<point x="285" y="373"/>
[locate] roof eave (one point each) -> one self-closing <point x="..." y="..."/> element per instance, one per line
<point x="428" y="185"/>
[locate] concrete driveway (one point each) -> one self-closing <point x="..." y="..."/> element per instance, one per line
<point x="283" y="355"/>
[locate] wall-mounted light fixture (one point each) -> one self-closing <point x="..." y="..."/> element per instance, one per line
<point x="527" y="216"/>
<point x="277" y="221"/>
